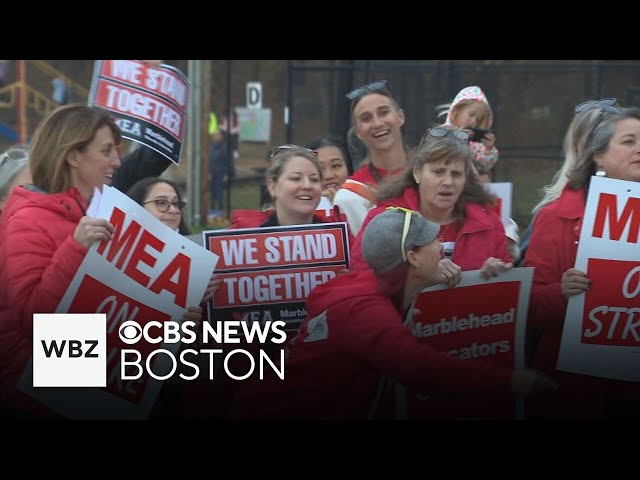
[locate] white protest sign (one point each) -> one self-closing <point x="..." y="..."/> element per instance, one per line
<point x="504" y="192"/>
<point x="601" y="335"/>
<point x="147" y="272"/>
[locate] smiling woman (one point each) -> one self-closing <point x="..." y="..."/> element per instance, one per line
<point x="294" y="182"/>
<point x="73" y="151"/>
<point x="335" y="162"/>
<point x="377" y="122"/>
<point x="602" y="139"/>
<point x="162" y="198"/>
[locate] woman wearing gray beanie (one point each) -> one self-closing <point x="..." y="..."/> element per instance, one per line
<point x="355" y="336"/>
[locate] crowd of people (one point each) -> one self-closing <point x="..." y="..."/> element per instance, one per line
<point x="416" y="217"/>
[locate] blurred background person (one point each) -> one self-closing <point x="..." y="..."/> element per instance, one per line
<point x="14" y="170"/>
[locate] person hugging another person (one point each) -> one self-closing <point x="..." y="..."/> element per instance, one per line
<point x="470" y="110"/>
<point x="354" y="343"/>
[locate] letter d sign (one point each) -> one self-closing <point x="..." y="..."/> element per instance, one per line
<point x="254" y="95"/>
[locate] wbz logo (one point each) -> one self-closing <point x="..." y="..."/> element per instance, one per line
<point x="75" y="348"/>
<point x="69" y="350"/>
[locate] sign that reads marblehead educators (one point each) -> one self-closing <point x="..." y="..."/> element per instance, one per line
<point x="480" y="321"/>
<point x="267" y="273"/>
<point x="148" y="103"/>
<point x="601" y="334"/>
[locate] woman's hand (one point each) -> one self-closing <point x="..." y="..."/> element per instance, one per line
<point x="212" y="288"/>
<point x="90" y="230"/>
<point x="451" y="273"/>
<point x="193" y="314"/>
<point x="573" y="282"/>
<point x="492" y="267"/>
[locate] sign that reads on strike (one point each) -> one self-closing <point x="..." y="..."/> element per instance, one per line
<point x="148" y="103"/>
<point x="601" y="334"/>
<point x="268" y="273"/>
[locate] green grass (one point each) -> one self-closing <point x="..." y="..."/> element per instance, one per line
<point x="244" y="195"/>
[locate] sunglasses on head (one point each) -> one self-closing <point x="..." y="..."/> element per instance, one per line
<point x="405" y="228"/>
<point x="373" y="87"/>
<point x="14" y="154"/>
<point x="289" y="146"/>
<point x="443" y="132"/>
<point x="606" y="104"/>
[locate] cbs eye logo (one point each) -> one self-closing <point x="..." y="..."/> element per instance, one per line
<point x="130" y="332"/>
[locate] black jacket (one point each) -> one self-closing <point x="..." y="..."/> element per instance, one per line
<point x="141" y="163"/>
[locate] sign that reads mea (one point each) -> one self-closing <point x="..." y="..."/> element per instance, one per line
<point x="69" y="350"/>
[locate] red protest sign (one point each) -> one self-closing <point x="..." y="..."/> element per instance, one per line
<point x="611" y="310"/>
<point x="95" y="296"/>
<point x="473" y="323"/>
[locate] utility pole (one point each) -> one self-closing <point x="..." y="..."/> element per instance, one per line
<point x="194" y="149"/>
<point x="204" y="134"/>
<point x="21" y="102"/>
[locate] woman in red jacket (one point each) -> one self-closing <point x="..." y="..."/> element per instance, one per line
<point x="602" y="139"/>
<point x="294" y="182"/>
<point x="441" y="185"/>
<point x="354" y="340"/>
<point x="44" y="233"/>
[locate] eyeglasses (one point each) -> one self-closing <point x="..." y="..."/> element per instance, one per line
<point x="606" y="104"/>
<point x="290" y="146"/>
<point x="13" y="154"/>
<point x="405" y="228"/>
<point x="163" y="205"/>
<point x="443" y="132"/>
<point x="370" y="88"/>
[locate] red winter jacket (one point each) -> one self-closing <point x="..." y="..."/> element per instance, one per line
<point x="365" y="174"/>
<point x="552" y="251"/>
<point x="256" y="218"/>
<point x="204" y="399"/>
<point x="352" y="335"/>
<point x="38" y="260"/>
<point x="482" y="235"/>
